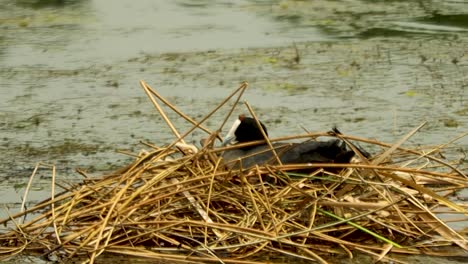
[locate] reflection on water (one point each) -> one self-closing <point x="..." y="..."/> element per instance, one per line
<point x="60" y="33"/>
<point x="45" y="3"/>
<point x="88" y="32"/>
<point x="452" y="20"/>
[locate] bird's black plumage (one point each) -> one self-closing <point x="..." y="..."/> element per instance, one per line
<point x="331" y="151"/>
<point x="248" y="130"/>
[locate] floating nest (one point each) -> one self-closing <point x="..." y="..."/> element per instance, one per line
<point x="182" y="203"/>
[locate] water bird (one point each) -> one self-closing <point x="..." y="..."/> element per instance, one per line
<point x="246" y="129"/>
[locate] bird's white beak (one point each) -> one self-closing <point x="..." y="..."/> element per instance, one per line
<point x="230" y="138"/>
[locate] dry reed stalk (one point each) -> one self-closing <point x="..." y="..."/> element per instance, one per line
<point x="242" y="89"/>
<point x="189" y="197"/>
<point x="150" y="91"/>
<point x="25" y="196"/>
<point x="170" y="200"/>
<point x="384" y="155"/>
<point x="354" y="138"/>
<point x="263" y="133"/>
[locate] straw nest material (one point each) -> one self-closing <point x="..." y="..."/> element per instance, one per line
<point x="181" y="203"/>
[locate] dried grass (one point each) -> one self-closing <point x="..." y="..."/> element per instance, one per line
<point x="180" y="203"/>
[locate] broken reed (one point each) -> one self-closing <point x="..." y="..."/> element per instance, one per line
<point x="180" y="203"/>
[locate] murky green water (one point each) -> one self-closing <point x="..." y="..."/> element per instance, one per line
<point x="69" y="72"/>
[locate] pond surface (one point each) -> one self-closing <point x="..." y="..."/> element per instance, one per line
<point x="70" y="71"/>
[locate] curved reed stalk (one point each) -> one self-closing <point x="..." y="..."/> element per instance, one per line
<point x="185" y="205"/>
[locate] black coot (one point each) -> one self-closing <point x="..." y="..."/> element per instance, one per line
<point x="245" y="129"/>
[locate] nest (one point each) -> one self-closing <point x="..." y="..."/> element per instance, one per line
<point x="182" y="203"/>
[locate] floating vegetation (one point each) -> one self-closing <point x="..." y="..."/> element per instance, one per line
<point x="179" y="202"/>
